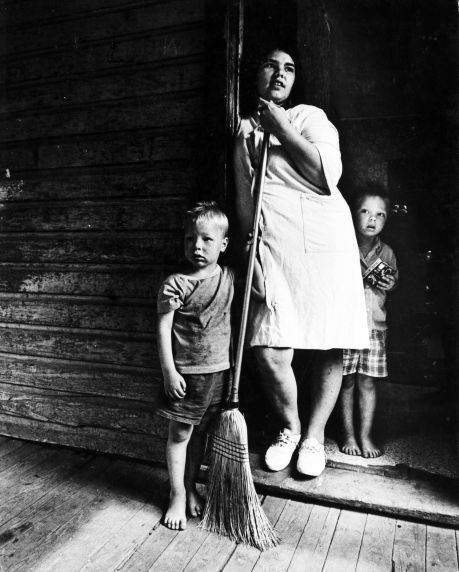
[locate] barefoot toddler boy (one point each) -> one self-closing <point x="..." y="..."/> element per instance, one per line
<point x="194" y="333"/>
<point x="362" y="368"/>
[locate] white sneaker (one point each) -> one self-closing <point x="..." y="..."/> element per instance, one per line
<point x="311" y="458"/>
<point x="279" y="454"/>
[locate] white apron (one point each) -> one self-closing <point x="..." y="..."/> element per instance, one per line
<point x="308" y="250"/>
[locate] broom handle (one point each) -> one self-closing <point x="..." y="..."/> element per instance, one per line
<point x="234" y="399"/>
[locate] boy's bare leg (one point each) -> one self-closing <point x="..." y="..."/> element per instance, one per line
<point x="346" y="404"/>
<point x="194" y="501"/>
<point x="176" y="454"/>
<point x="367" y="404"/>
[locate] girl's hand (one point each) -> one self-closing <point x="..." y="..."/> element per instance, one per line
<point x="386" y="283"/>
<point x="272" y="117"/>
<point x="174" y="385"/>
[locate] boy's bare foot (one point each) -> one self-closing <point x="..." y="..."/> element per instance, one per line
<point x="175" y="517"/>
<point x="369" y="449"/>
<point x="195" y="503"/>
<point x="350" y="447"/>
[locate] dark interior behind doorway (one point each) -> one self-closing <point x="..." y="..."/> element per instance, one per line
<point x="384" y="73"/>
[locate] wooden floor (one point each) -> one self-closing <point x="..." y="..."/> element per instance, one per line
<point x="66" y="511"/>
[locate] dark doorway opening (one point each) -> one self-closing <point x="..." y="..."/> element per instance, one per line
<point x="384" y="73"/>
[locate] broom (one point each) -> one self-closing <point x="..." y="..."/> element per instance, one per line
<point x="232" y="507"/>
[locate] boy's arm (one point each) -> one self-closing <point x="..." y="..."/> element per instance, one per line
<point x="174" y="384"/>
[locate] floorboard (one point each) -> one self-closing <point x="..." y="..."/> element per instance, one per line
<point x="127" y="492"/>
<point x="22" y="489"/>
<point x="290" y="527"/>
<point x="409" y="547"/>
<point x="148" y="551"/>
<point x="23" y="459"/>
<point x="346" y="542"/>
<point x="181" y="550"/>
<point x="212" y="555"/>
<point x="315" y="541"/>
<point x="70" y="511"/>
<point x="441" y="554"/>
<point x="245" y="558"/>
<point x="121" y="546"/>
<point x="38" y="531"/>
<point x="8" y="445"/>
<point x="378" y="539"/>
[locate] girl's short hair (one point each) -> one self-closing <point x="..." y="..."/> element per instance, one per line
<point x="370" y="189"/>
<point x="209" y="211"/>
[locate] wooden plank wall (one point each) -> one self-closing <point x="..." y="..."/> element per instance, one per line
<point x="100" y="103"/>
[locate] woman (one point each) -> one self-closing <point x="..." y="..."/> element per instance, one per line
<point x="313" y="289"/>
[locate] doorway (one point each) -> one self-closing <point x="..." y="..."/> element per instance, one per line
<point x="384" y="74"/>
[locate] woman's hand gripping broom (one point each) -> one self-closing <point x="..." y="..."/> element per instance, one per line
<point x="233" y="507"/>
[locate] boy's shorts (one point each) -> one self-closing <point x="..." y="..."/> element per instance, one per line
<point x="372" y="362"/>
<point x="204" y="391"/>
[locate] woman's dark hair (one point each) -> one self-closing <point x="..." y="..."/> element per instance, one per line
<point x="250" y="64"/>
<point x="370" y="189"/>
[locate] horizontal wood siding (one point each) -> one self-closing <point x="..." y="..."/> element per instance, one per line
<point x="101" y="114"/>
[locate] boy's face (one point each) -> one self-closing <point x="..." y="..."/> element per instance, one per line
<point x="370" y="216"/>
<point x="204" y="241"/>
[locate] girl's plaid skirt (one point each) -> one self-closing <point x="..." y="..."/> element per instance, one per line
<point x="372" y="362"/>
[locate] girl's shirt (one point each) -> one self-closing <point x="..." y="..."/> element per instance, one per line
<point x="201" y="330"/>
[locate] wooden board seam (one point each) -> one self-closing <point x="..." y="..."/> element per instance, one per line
<point x="107" y="40"/>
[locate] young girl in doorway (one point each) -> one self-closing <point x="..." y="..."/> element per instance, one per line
<point x="361" y="368"/>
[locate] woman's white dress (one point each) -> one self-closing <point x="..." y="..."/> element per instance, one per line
<point x="308" y="250"/>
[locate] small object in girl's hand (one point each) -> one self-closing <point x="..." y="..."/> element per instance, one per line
<point x="379" y="269"/>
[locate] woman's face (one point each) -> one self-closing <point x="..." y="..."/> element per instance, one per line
<point x="276" y="76"/>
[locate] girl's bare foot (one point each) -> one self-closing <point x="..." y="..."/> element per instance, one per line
<point x="369" y="449"/>
<point x="175" y="517"/>
<point x="350" y="447"/>
<point x="195" y="503"/>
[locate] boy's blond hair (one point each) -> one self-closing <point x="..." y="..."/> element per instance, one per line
<point x="209" y="211"/>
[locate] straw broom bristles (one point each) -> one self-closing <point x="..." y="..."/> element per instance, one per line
<point x="233" y="508"/>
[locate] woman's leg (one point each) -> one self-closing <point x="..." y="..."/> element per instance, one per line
<point x="367" y="405"/>
<point x="346" y="402"/>
<point x="176" y="454"/>
<point x="275" y="365"/>
<point x="328" y="373"/>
